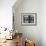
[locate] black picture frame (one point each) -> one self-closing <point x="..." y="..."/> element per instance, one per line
<point x="29" y="19"/>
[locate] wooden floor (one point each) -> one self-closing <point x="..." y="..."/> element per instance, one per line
<point x="9" y="43"/>
<point x="12" y="42"/>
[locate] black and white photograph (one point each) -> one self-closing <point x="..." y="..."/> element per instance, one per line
<point x="29" y="18"/>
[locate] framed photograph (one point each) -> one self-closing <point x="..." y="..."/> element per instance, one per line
<point x="29" y="19"/>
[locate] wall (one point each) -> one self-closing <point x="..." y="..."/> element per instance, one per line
<point x="36" y="33"/>
<point x="6" y="13"/>
<point x="30" y="32"/>
<point x="43" y="22"/>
